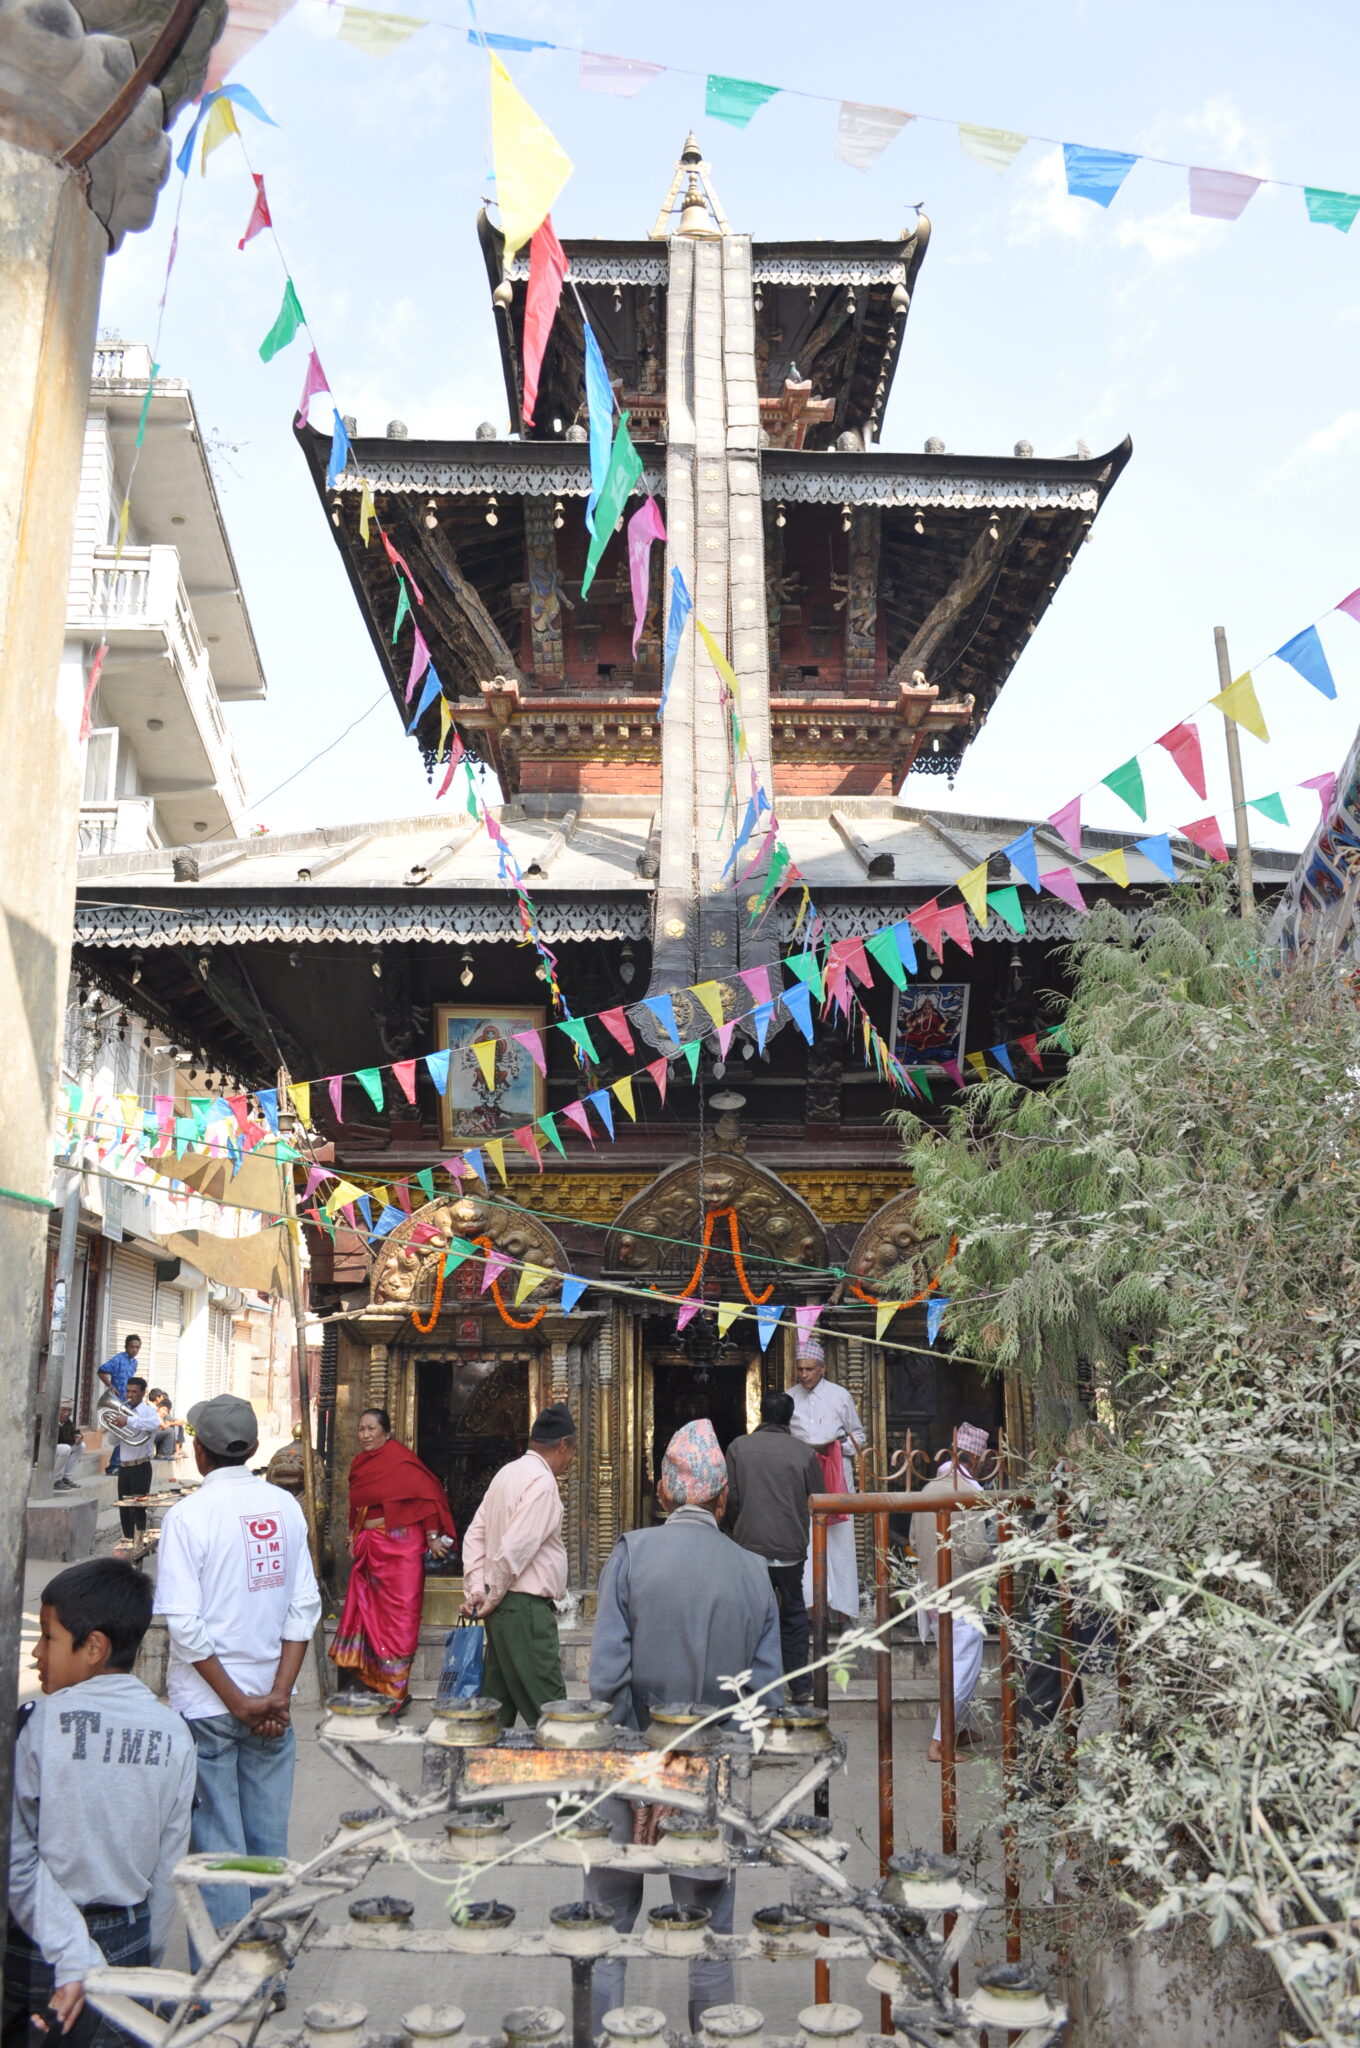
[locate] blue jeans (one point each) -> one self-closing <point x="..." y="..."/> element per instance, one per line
<point x="122" y="1933"/>
<point x="245" y="1788"/>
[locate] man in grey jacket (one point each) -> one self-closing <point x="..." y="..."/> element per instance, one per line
<point x="680" y="1607"/>
<point x="771" y="1475"/>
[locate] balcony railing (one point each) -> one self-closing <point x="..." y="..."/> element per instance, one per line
<point x="125" y="826"/>
<point x="122" y="362"/>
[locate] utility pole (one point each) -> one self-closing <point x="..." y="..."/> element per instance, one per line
<point x="56" y="1343"/>
<point x="1246" y="888"/>
<point x="310" y="1491"/>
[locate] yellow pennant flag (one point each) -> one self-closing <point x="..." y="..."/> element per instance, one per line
<point x="710" y="995"/>
<point x="496" y="1147"/>
<point x="973" y="889"/>
<point x="1239" y="703"/>
<point x="445" y="721"/>
<point x="344" y="1191"/>
<point x="381" y="1199"/>
<point x="728" y="1311"/>
<point x="977" y="1063"/>
<point x="123" y="512"/>
<point x="531" y="165"/>
<point x="1115" y="865"/>
<point x="301" y="1092"/>
<point x="131" y="1108"/>
<point x="883" y="1315"/>
<point x="367" y="510"/>
<point x="529" y="1278"/>
<point x="221" y="123"/>
<point x="624" y="1090"/>
<point x="719" y="660"/>
<point x="485" y="1049"/>
<point x="377" y="35"/>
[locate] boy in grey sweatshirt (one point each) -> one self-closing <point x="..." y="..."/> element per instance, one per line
<point x="103" y="1784"/>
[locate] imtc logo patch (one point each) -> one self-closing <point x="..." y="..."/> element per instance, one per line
<point x="266" y="1553"/>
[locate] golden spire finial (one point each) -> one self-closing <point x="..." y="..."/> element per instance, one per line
<point x="701" y="214"/>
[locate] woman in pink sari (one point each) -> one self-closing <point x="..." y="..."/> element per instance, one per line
<point x="397" y="1510"/>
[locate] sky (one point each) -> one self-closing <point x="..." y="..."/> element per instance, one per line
<point x="1227" y="351"/>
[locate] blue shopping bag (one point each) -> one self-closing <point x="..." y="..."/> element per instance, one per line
<point x="464" y="1657"/>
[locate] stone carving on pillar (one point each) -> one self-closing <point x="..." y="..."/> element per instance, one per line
<point x="545" y="591"/>
<point x="604" y="1437"/>
<point x="861" y="604"/>
<point x="376" y="1384"/>
<point x="409" y="1259"/>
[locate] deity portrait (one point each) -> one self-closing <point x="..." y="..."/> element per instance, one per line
<point x="494" y="1082"/>
<point x="930" y="1020"/>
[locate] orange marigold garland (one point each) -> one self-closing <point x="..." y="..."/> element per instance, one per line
<point x="426" y="1327"/>
<point x="506" y="1317"/>
<point x="875" y="1299"/>
<point x="734" y="1239"/>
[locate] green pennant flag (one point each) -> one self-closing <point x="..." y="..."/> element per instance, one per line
<point x="1006" y="903"/>
<point x="575" y="1028"/>
<point x="146" y="405"/>
<point x="426" y="1180"/>
<point x="1061" y="1036"/>
<point x="286" y="326"/>
<point x="882" y="947"/>
<point x="1270" y="807"/>
<point x="1127" y="784"/>
<point x="459" y="1250"/>
<point x="370" y="1080"/>
<point x="735" y="100"/>
<point x="548" y="1125"/>
<point x="327" y="1223"/>
<point x="780" y="861"/>
<point x="199" y="1105"/>
<point x="922" y="1080"/>
<point x="403" y="606"/>
<point x="808" y="970"/>
<point x="691" y="1052"/>
<point x="1331" y="209"/>
<point x="625" y="468"/>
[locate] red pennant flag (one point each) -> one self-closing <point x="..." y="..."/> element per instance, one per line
<point x="1182" y="743"/>
<point x="401" y="1195"/>
<point x="616" y="1024"/>
<point x="455" y="756"/>
<point x="547" y="273"/>
<point x="525" y="1136"/>
<point x="660" y="1073"/>
<point x="850" y="954"/>
<point x="259" y="213"/>
<point x="1205" y="833"/>
<point x="400" y="562"/>
<point x="575" y="1113"/>
<point x="96" y="670"/>
<point x="405" y="1073"/>
<point x="954" y="924"/>
<point x="1030" y="1047"/>
<point x="237" y="1105"/>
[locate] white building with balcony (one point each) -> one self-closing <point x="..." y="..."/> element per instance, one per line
<point x="160" y="767"/>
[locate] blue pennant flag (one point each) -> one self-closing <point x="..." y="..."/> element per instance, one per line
<point x="390" y="1218"/>
<point x="496" y="42"/>
<point x="748" y="826"/>
<point x="767" y="1322"/>
<point x="760" y="1017"/>
<point x="1021" y="855"/>
<point x="268" y="1099"/>
<point x="1095" y="173"/>
<point x="437" y="1065"/>
<point x="572" y="1290"/>
<point x="473" y="1156"/>
<point x="1304" y="652"/>
<point x="798" y="1002"/>
<point x="433" y="689"/>
<point x="603" y="1108"/>
<point x="365" y="1207"/>
<point x="1002" y="1058"/>
<point x="600" y="407"/>
<point x="1157" y="849"/>
<point x="243" y="97"/>
<point x="681" y="606"/>
<point x="339" y="456"/>
<point x="906" y="950"/>
<point x="663" y="1009"/>
<point x="935" y="1309"/>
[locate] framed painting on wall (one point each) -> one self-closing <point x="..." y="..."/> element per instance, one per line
<point x="930" y="1022"/>
<point x="474" y="1107"/>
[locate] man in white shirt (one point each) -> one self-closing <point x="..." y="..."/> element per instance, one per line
<point x="240" y="1600"/>
<point x="515" y="1568"/>
<point x="825" y="1417"/>
<point x="134" y="1469"/>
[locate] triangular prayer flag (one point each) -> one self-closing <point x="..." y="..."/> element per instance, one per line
<point x="1095" y="173"/>
<point x="576" y="1113"/>
<point x="1006" y="903"/>
<point x="920" y="1080"/>
<point x="927" y="922"/>
<point x="484" y="1051"/>
<point x="1157" y="849"/>
<point x="808" y="969"/>
<point x="437" y="1066"/>
<point x="691" y="1050"/>
<point x="1239" y="702"/>
<point x="1331" y="209"/>
<point x="935" y="1309"/>
<point x="312" y="383"/>
<point x="621" y="76"/>
<point x="1204" y="832"/>
<point x="473" y="1156"/>
<point x="798" y="1002"/>
<point x="623" y="1088"/>
<point x="1066" y="822"/>
<point x="973" y="887"/>
<point x="1029" y="1046"/>
<point x="644" y="527"/>
<point x="663" y="1009"/>
<point x="995" y="148"/>
<point x="301" y="1093"/>
<point x="365" y="1207"/>
<point x="531" y="166"/>
<point x="625" y="469"/>
<point x="1350" y="606"/>
<point x="1220" y="195"/>
<point x="547" y="272"/>
<point x="806" y="1318"/>
<point x="681" y="605"/>
<point x="1114" y="864"/>
<point x="724" y="1037"/>
<point x="420" y="661"/>
<point x="767" y="1322"/>
<point x="268" y="1099"/>
<point x="533" y="1044"/>
<point x="906" y="950"/>
<point x="1062" y="882"/>
<point x="524" y="1137"/>
<point x="496" y="1147"/>
<point x="603" y="1108"/>
<point x="259" y="213"/>
<point x="1127" y="784"/>
<point x="404" y="1073"/>
<point x="1182" y="743"/>
<point x="728" y="1311"/>
<point x="978" y="1063"/>
<point x="338" y="459"/>
<point x="660" y="1073"/>
<point x="757" y="980"/>
<point x="1324" y="786"/>
<point x="335" y="1085"/>
<point x="1002" y="1058"/>
<point x="863" y="133"/>
<point x="572" y="1290"/>
<point x="710" y="995"/>
<point x="954" y="924"/>
<point x="882" y="947"/>
<point x="377" y="35"/>
<point x="403" y="607"/>
<point x="425" y="1180"/>
<point x="1022" y="856"/>
<point x="432" y="689"/>
<point x="388" y="1220"/>
<point x="459" y="1252"/>
<point x="686" y="1313"/>
<point x="367" y="509"/>
<point x="494" y="1265"/>
<point x="575" y="1029"/>
<point x="1305" y="653"/>
<point x="370" y="1080"/>
<point x="1270" y="807"/>
<point x="735" y="100"/>
<point x="221" y="123"/>
<point x="883" y="1315"/>
<point x="286" y="325"/>
<point x="599" y="418"/>
<point x="548" y="1125"/>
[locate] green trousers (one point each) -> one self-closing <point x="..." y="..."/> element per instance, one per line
<point x="523" y="1667"/>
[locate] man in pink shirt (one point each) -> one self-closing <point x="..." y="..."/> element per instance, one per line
<point x="515" y="1567"/>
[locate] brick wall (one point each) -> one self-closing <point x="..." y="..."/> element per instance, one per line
<point x="591" y="778"/>
<point x="830" y="778"/>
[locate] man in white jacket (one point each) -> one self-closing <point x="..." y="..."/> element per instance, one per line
<point x="236" y="1586"/>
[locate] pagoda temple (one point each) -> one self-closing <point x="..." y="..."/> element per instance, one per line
<point x="872" y="605"/>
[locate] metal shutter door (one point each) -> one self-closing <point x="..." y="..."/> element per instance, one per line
<point x="217" y="1377"/>
<point x="165" y="1340"/>
<point x="132" y="1298"/>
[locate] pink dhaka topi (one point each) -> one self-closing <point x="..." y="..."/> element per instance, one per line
<point x="694" y="1469"/>
<point x="969" y="1437"/>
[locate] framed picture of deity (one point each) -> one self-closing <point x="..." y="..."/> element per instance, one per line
<point x="487" y="1096"/>
<point x="930" y="1022"/>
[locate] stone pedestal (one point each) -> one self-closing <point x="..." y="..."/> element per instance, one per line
<point x="61" y="1528"/>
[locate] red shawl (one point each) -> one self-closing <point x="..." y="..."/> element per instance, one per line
<point x="396" y="1482"/>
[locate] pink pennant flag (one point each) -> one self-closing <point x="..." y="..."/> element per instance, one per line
<point x="525" y="1136"/>
<point x="1205" y="833"/>
<point x="314" y="381"/>
<point x="455" y="756"/>
<point x="420" y="661"/>
<point x="850" y="954"/>
<point x="405" y="1073"/>
<point x="954" y="924"/>
<point x="1029" y="1046"/>
<point x="643" y="528"/>
<point x="724" y="1036"/>
<point x="336" y="1084"/>
<point x="422" y="1233"/>
<point x="686" y="1313"/>
<point x="927" y="923"/>
<point x="400" y="562"/>
<point x="757" y="980"/>
<point x="1220" y="195"/>
<point x="496" y="1263"/>
<point x="96" y="671"/>
<point x="455" y="1168"/>
<point x="533" y="1044"/>
<point x="315" y="1176"/>
<point x="259" y="213"/>
<point x="616" y="1024"/>
<point x="1182" y="743"/>
<point x="575" y="1113"/>
<point x="806" y="1319"/>
<point x="621" y="76"/>
<point x="660" y="1073"/>
<point x="954" y="1071"/>
<point x="1351" y="606"/>
<point x="1063" y="884"/>
<point x="1324" y="785"/>
<point x="1066" y="822"/>
<point x="401" y="1195"/>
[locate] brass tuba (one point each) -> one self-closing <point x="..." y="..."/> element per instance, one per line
<point x="113" y="1416"/>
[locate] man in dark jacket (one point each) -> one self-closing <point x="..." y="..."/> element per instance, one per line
<point x="680" y="1607"/>
<point x="770" y="1476"/>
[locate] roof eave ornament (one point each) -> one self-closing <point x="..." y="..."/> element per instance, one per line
<point x="701" y="214"/>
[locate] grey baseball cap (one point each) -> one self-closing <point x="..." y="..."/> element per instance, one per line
<point x="226" y="1425"/>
